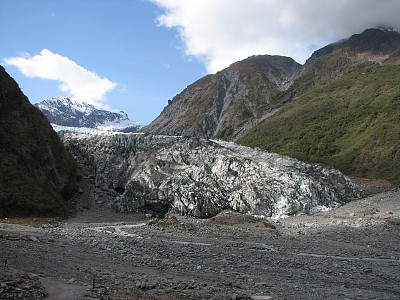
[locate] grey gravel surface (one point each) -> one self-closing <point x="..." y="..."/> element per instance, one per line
<point x="348" y="253"/>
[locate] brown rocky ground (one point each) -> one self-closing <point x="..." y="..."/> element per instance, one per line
<point x="351" y="252"/>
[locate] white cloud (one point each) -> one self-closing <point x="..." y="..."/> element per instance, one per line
<point x="220" y="32"/>
<point x="79" y="83"/>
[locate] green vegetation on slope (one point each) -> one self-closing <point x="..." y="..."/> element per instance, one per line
<point x="352" y="122"/>
<point x="37" y="174"/>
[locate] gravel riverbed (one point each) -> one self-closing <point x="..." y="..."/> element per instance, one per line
<point x="351" y="252"/>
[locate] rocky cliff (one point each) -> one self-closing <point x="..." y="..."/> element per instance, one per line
<point x="226" y="105"/>
<point x="200" y="178"/>
<point x="38" y="175"/>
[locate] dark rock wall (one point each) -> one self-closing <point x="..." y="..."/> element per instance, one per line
<point x="38" y="175"/>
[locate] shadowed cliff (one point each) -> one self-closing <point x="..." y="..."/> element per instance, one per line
<point x="38" y="175"/>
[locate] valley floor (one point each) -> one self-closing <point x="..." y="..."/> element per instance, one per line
<point x="348" y="253"/>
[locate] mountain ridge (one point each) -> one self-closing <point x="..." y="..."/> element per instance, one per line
<point x="343" y="111"/>
<point x="225" y="105"/>
<point x="63" y="111"/>
<point x="385" y="41"/>
<point x="235" y="104"/>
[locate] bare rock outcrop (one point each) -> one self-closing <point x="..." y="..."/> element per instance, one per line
<point x="227" y="104"/>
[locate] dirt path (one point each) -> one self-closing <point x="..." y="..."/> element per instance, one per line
<point x="351" y="252"/>
<point x="60" y="290"/>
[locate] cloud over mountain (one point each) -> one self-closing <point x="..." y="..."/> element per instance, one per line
<point x="222" y="32"/>
<point x="80" y="84"/>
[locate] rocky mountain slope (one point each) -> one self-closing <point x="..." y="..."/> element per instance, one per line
<point x="226" y="105"/>
<point x="63" y="111"/>
<point x="340" y="108"/>
<point x="344" y="110"/>
<point x="200" y="178"/>
<point x="38" y="175"/>
<point x="371" y="45"/>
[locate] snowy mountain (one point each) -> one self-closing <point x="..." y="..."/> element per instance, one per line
<point x="64" y="112"/>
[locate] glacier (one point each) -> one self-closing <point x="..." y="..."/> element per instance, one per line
<point x="201" y="178"/>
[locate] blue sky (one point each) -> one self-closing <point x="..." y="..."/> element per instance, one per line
<point x="135" y="55"/>
<point x="118" y="40"/>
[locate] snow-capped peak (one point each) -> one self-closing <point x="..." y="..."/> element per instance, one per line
<point x="66" y="112"/>
<point x="55" y="102"/>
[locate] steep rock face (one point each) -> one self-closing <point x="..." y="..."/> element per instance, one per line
<point x="226" y="105"/>
<point x="200" y="178"/>
<point x="65" y="112"/>
<point x="38" y="175"/>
